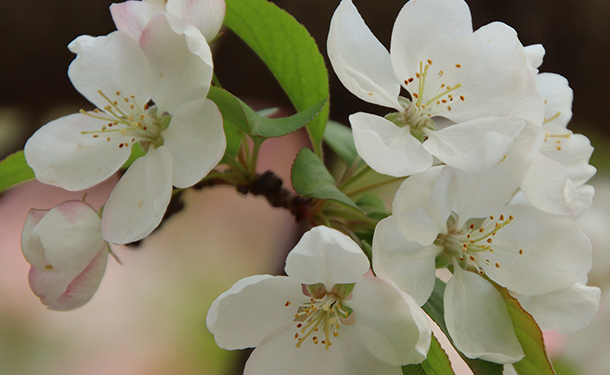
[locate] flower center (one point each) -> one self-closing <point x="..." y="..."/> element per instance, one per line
<point x="324" y="312"/>
<point x="552" y="142"/>
<point x="430" y="96"/>
<point x="470" y="243"/>
<point x="128" y="122"/>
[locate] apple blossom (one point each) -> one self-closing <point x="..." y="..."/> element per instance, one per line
<point x="325" y="314"/>
<point x="557" y="179"/>
<point x="150" y="92"/>
<point x="67" y="254"/>
<point x="452" y="74"/>
<point x="519" y="247"/>
<point x="132" y="16"/>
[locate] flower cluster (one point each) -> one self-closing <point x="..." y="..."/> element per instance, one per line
<point x="496" y="179"/>
<point x="492" y="184"/>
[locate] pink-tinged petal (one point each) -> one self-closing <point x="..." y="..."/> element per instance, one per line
<point x="82" y="288"/>
<point x="548" y="187"/>
<point x="537" y="252"/>
<point x="360" y="61"/>
<point x="277" y="354"/>
<point x="423" y="203"/>
<point x="71" y="236"/>
<point x="132" y="16"/>
<point x="474" y="145"/>
<point x="406" y="263"/>
<point x="424" y="27"/>
<point x="387" y="148"/>
<point x="558" y="98"/>
<point x="69" y="290"/>
<point x="111" y="64"/>
<point x="30" y="244"/>
<point x="482" y="193"/>
<point x="196" y="140"/>
<point x="61" y="155"/>
<point x="137" y="203"/>
<point x="390" y="323"/>
<point x="206" y="15"/>
<point x="477" y="319"/>
<point x="324" y="255"/>
<point x="535" y="55"/>
<point x="253" y="308"/>
<point x="180" y="60"/>
<point x="567" y="310"/>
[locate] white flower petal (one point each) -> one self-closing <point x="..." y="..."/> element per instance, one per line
<point x="206" y="15"/>
<point x="277" y="354"/>
<point x="423" y="29"/>
<point x="556" y="253"/>
<point x="253" y="308"/>
<point x="535" y="54"/>
<point x="60" y="155"/>
<point x="406" y="263"/>
<point x="572" y="151"/>
<point x="478" y="321"/>
<point x="566" y="310"/>
<point x="390" y="323"/>
<point x="180" y="60"/>
<point x="482" y="193"/>
<point x="360" y="61"/>
<point x="324" y="255"/>
<point x="196" y="140"/>
<point x="558" y="97"/>
<point x="387" y="148"/>
<point x="474" y="145"/>
<point x="110" y="64"/>
<point x="70" y="235"/>
<point x="132" y="16"/>
<point x="30" y="244"/>
<point x="423" y="203"/>
<point x="137" y="203"/>
<point x="547" y="186"/>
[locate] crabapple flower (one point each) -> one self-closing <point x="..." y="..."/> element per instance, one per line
<point x="519" y="247"/>
<point x="150" y="92"/>
<point x="206" y="15"/>
<point x="556" y="181"/>
<point x="452" y="74"/>
<point x="67" y="254"/>
<point x="327" y="313"/>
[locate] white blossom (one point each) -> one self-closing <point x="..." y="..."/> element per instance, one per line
<point x="325" y="316"/>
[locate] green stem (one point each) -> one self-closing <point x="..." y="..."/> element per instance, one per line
<point x="254" y="156"/>
<point x="357" y="176"/>
<point x="372" y="186"/>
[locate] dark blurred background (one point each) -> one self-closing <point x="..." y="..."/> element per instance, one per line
<point x="35" y="59"/>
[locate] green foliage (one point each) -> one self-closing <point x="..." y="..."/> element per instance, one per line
<point x="437" y="362"/>
<point x="536" y="361"/>
<point x="289" y="51"/>
<point x="14" y="170"/>
<point x="310" y="178"/>
<point x="340" y="139"/>
<point x="370" y="203"/>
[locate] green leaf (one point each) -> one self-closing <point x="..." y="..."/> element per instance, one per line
<point x="233" y="118"/>
<point x="370" y="202"/>
<point x="435" y="309"/>
<point x="437" y="362"/>
<point x="536" y="361"/>
<point x="413" y="370"/>
<point x="277" y="127"/>
<point x="14" y="170"/>
<point x="340" y="139"/>
<point x="289" y="51"/>
<point x="310" y="178"/>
